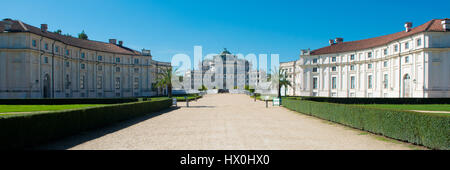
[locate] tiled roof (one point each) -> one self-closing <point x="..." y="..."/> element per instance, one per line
<point x="18" y="26"/>
<point x="431" y="26"/>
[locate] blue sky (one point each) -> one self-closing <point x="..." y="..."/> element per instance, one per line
<point x="168" y="27"/>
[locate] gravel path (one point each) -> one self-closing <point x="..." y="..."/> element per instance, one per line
<point x="227" y="121"/>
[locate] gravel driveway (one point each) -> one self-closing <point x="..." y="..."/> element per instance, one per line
<point x="227" y="122"/>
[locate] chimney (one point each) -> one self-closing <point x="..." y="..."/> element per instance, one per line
<point x="44" y="27"/>
<point x="331" y="41"/>
<point x="446" y="24"/>
<point x="339" y="40"/>
<point x="408" y="26"/>
<point x="120" y="43"/>
<point x="112" y="41"/>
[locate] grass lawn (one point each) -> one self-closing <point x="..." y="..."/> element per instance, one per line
<point x="35" y="108"/>
<point x="427" y="107"/>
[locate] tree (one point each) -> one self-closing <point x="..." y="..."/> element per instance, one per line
<point x="165" y="80"/>
<point x="282" y="80"/>
<point x="58" y="31"/>
<point x="83" y="35"/>
<point x="203" y="88"/>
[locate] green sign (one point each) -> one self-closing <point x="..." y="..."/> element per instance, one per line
<point x="276" y="101"/>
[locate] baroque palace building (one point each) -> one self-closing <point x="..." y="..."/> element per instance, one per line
<point x="36" y="63"/>
<point x="224" y="71"/>
<point x="411" y="63"/>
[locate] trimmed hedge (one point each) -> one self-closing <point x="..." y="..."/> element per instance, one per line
<point x="66" y="101"/>
<point x="378" y="100"/>
<point x="427" y="129"/>
<point x="20" y="131"/>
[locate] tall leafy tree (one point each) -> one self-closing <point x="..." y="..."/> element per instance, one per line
<point x="83" y="35"/>
<point x="165" y="80"/>
<point x="282" y="80"/>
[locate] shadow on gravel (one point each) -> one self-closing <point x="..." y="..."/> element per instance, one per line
<point x="198" y="106"/>
<point x="74" y="140"/>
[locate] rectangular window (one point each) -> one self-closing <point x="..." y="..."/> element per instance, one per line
<point x="419" y="42"/>
<point x="83" y="55"/>
<point x="385" y="64"/>
<point x="99" y="82"/>
<point x="83" y="66"/>
<point x="46" y="60"/>
<point x="33" y="42"/>
<point x="333" y="82"/>
<point x="314" y="70"/>
<point x="333" y="68"/>
<point x="396" y="47"/>
<point x="136" y="83"/>
<point x="385" y="81"/>
<point x="314" y="60"/>
<point x="369" y="79"/>
<point x="136" y="70"/>
<point x="136" y="61"/>
<point x="407" y="45"/>
<point x="352" y="57"/>
<point x="352" y="82"/>
<point x="117" y="69"/>
<point x="385" y="51"/>
<point x="352" y="67"/>
<point x="67" y="52"/>
<point x="46" y="46"/>
<point x="57" y="49"/>
<point x="118" y="60"/>
<point x="99" y="58"/>
<point x="117" y="83"/>
<point x="99" y="68"/>
<point x="315" y="83"/>
<point x="369" y="66"/>
<point x="82" y="78"/>
<point x="407" y="59"/>
<point x="333" y="59"/>
<point x="67" y="64"/>
<point x="369" y="55"/>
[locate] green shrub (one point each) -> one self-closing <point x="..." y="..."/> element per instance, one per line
<point x="19" y="131"/>
<point x="379" y="100"/>
<point x="427" y="129"/>
<point x="66" y="101"/>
